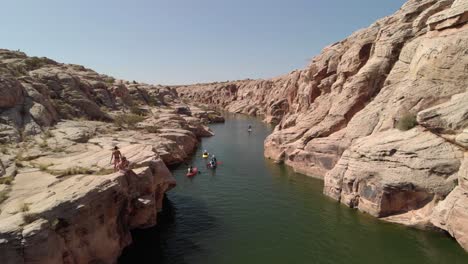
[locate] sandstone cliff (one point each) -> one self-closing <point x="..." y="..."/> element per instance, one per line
<point x="60" y="199"/>
<point x="338" y="119"/>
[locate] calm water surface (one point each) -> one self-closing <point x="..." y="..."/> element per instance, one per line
<point x="253" y="211"/>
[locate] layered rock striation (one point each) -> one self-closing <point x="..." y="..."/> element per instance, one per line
<point x="380" y="116"/>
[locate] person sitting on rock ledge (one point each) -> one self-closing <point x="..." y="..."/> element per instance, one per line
<point x="116" y="156"/>
<point x="124" y="164"/>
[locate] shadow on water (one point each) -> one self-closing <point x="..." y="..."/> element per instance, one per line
<point x="171" y="240"/>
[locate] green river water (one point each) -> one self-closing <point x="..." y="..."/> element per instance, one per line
<point x="253" y="211"/>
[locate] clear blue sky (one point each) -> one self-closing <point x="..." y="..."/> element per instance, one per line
<point x="184" y="41"/>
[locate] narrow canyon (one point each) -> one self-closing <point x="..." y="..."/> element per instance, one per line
<point x="381" y="116"/>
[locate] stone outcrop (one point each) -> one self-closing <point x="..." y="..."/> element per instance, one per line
<point x="60" y="199"/>
<point x="82" y="218"/>
<point x="338" y="118"/>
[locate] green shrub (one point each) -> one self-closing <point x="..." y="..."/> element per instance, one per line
<point x="152" y="129"/>
<point x="407" y="122"/>
<point x="43" y="145"/>
<point x="6" y="180"/>
<point x="59" y="149"/>
<point x="104" y="171"/>
<point x="71" y="171"/>
<point x="48" y="134"/>
<point x="110" y="80"/>
<point x="128" y="120"/>
<point x="30" y="217"/>
<point x="19" y="156"/>
<point x="4" y="195"/>
<point x="34" y="63"/>
<point x="137" y="111"/>
<point x="59" y="223"/>
<point x="19" y="164"/>
<point x="44" y="167"/>
<point x="24" y="207"/>
<point x="4" y="150"/>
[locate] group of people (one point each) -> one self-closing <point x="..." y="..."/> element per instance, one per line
<point x="213" y="161"/>
<point x="120" y="162"/>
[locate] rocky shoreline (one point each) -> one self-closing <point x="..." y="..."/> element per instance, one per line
<point x="381" y="117"/>
<point x="61" y="201"/>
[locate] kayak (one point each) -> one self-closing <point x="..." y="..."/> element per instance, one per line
<point x="205" y="156"/>
<point x="193" y="173"/>
<point x="249" y="130"/>
<point x="213" y="167"/>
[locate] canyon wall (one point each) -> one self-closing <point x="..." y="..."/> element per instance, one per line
<point x="381" y="116"/>
<point x="61" y="201"/>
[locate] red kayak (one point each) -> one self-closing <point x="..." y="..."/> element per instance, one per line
<point x="193" y="173"/>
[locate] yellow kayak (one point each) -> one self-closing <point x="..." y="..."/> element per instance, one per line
<point x="205" y="156"/>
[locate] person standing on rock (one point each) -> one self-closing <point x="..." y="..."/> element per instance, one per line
<point x="124" y="164"/>
<point x="116" y="156"/>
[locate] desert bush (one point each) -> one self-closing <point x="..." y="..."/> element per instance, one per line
<point x="44" y="167"/>
<point x="24" y="207"/>
<point x="71" y="171"/>
<point x="30" y="217"/>
<point x="128" y="120"/>
<point x="58" y="223"/>
<point x="4" y="150"/>
<point x="20" y="156"/>
<point x="34" y="63"/>
<point x="48" y="134"/>
<point x="43" y="145"/>
<point x="104" y="171"/>
<point x="110" y="80"/>
<point x="19" y="164"/>
<point x="137" y="111"/>
<point x="152" y="129"/>
<point x="406" y="122"/>
<point x="6" y="180"/>
<point x="59" y="149"/>
<point x="4" y="195"/>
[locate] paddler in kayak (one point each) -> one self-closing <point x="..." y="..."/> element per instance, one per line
<point x="213" y="162"/>
<point x="250" y="128"/>
<point x="206" y="154"/>
<point x="190" y="169"/>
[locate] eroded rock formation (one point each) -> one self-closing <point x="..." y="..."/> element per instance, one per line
<point x="338" y="118"/>
<point x="61" y="201"/>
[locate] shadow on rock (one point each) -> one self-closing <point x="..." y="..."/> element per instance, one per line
<point x="171" y="241"/>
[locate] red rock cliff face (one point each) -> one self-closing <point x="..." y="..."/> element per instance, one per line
<point x="337" y="119"/>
